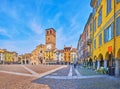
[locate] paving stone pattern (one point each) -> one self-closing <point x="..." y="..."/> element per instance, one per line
<point x="61" y="72"/>
<point x="10" y="81"/>
<point x="105" y="82"/>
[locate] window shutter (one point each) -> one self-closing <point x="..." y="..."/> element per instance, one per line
<point x="118" y="26"/>
<point x="112" y="30"/>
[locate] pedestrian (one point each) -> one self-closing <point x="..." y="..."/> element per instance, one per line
<point x="74" y="65"/>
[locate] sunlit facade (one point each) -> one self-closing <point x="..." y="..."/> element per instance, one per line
<point x="8" y="56"/>
<point x="106" y="38"/>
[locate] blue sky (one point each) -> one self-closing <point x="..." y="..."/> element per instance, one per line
<point x="23" y="22"/>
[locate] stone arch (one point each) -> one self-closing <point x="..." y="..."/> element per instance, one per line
<point x="95" y="57"/>
<point x="90" y="61"/>
<point x="27" y="61"/>
<point x="95" y="61"/>
<point x="23" y="61"/>
<point x="100" y="57"/>
<point x="109" y="58"/>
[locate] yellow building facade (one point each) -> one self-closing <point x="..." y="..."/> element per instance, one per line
<point x="73" y="55"/>
<point x="25" y="58"/>
<point x="106" y="38"/>
<point x="8" y="56"/>
<point x="38" y="54"/>
<point x="67" y="52"/>
<point x="49" y="55"/>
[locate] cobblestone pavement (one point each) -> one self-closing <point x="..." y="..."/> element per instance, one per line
<point x="69" y="82"/>
<point x="13" y="68"/>
<point x="90" y="83"/>
<point x="9" y="81"/>
<point x="42" y="68"/>
<point x="86" y="71"/>
<point x="62" y="72"/>
<point x="65" y="78"/>
<point x="19" y="77"/>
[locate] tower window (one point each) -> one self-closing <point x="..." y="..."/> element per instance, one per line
<point x="50" y="31"/>
<point x="48" y="38"/>
<point x="41" y="51"/>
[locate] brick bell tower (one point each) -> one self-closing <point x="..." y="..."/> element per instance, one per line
<point x="50" y="39"/>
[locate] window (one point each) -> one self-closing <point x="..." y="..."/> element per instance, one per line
<point x="48" y="39"/>
<point x="100" y="39"/>
<point x="117" y="1"/>
<point x="95" y="25"/>
<point x="47" y="32"/>
<point x="96" y="5"/>
<point x="100" y="17"/>
<point x="41" y="51"/>
<point x="90" y="27"/>
<point x="118" y="26"/>
<point x="109" y="6"/>
<point x="94" y="11"/>
<point x="95" y="44"/>
<point x="108" y="33"/>
<point x="99" y="1"/>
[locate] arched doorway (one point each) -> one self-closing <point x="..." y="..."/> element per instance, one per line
<point x="90" y="61"/>
<point x="23" y="61"/>
<point x="117" y="71"/>
<point x="95" y="62"/>
<point x="27" y="62"/>
<point x="110" y="60"/>
<point x="118" y="54"/>
<point x="41" y="60"/>
<point x="100" y="57"/>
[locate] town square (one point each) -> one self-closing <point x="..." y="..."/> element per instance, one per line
<point x="59" y="44"/>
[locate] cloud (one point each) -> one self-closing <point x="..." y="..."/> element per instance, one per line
<point x="60" y="38"/>
<point x="72" y="35"/>
<point x="5" y="33"/>
<point x="9" y="45"/>
<point x="55" y="19"/>
<point x="28" y="20"/>
<point x="18" y="46"/>
<point x="57" y="16"/>
<point x="10" y="10"/>
<point x="35" y="26"/>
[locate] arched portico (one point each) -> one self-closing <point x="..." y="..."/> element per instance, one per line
<point x="100" y="57"/>
<point x="109" y="58"/>
<point x="95" y="62"/>
<point x="23" y="61"/>
<point x="117" y="64"/>
<point x="118" y="54"/>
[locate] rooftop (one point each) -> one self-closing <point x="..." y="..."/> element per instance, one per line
<point x="51" y="29"/>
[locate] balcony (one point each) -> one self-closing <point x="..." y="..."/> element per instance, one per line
<point x="89" y="41"/>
